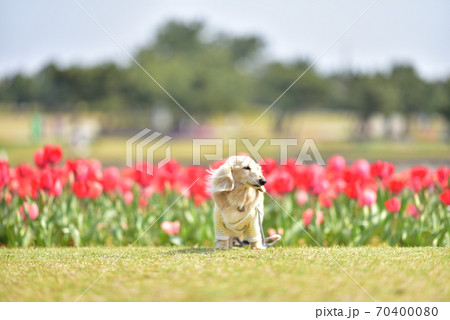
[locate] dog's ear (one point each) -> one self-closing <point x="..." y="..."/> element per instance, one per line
<point x="222" y="179"/>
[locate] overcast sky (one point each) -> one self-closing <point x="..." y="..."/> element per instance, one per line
<point x="34" y="32"/>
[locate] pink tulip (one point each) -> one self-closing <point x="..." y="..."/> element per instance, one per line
<point x="367" y="197"/>
<point x="336" y="163"/>
<point x="301" y="196"/>
<point x="412" y="211"/>
<point x="128" y="197"/>
<point x="57" y="188"/>
<point x="148" y="192"/>
<point x="171" y="228"/>
<point x="30" y="208"/>
<point x="319" y="217"/>
<point x="126" y="184"/>
<point x="7" y="196"/>
<point x="143" y="202"/>
<point x="308" y="216"/>
<point x="361" y="168"/>
<point x="271" y="232"/>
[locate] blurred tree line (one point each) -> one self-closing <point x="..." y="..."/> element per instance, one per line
<point x="210" y="74"/>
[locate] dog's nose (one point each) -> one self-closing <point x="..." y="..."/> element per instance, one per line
<point x="262" y="181"/>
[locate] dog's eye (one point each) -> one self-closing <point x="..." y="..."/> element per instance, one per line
<point x="246" y="168"/>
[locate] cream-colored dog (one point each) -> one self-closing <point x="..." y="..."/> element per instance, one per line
<point x="237" y="188"/>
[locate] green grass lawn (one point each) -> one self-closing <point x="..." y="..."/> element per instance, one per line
<point x="240" y="274"/>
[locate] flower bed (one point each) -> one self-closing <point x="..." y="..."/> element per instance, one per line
<point x="79" y="203"/>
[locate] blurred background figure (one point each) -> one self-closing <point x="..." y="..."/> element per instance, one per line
<point x="382" y="92"/>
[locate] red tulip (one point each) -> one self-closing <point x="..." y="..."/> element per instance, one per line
<point x="338" y="185"/>
<point x="308" y="216"/>
<point x="445" y="197"/>
<point x="299" y="174"/>
<point x="25" y="171"/>
<point x="396" y="183"/>
<point x="171" y="228"/>
<point x="95" y="189"/>
<point x="412" y="211"/>
<point x="419" y="171"/>
<point x="367" y="197"/>
<point x="26" y="181"/>
<point x="319" y="217"/>
<point x="39" y="158"/>
<point x="80" y="168"/>
<point x="46" y="180"/>
<point x="29" y="208"/>
<point x="50" y="182"/>
<point x="199" y="190"/>
<point x="80" y="189"/>
<point x="141" y="176"/>
<point x="199" y="199"/>
<point x="381" y="169"/>
<point x="4" y="173"/>
<point x="268" y="165"/>
<point x="325" y="200"/>
<point x="393" y="205"/>
<point x="420" y="178"/>
<point x="52" y="154"/>
<point x="61" y="174"/>
<point x="111" y="177"/>
<point x="352" y="190"/>
<point x="441" y="176"/>
<point x="163" y="180"/>
<point x="279" y="182"/>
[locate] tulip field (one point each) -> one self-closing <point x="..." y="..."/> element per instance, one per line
<point x="54" y="203"/>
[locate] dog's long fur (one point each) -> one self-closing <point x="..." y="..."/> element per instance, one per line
<point x="238" y="183"/>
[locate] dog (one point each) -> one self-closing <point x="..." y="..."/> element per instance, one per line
<point x="237" y="188"/>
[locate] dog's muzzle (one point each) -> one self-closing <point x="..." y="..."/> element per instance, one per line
<point x="261" y="183"/>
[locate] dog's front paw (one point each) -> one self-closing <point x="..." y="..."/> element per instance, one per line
<point x="257" y="245"/>
<point x="221" y="245"/>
